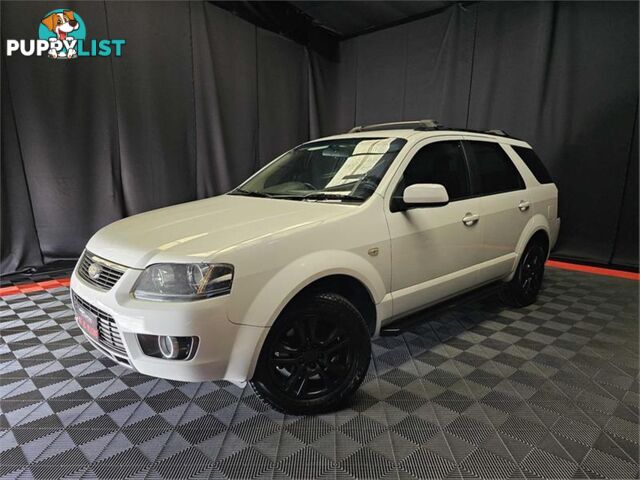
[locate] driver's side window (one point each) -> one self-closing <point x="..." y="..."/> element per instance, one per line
<point x="440" y="162"/>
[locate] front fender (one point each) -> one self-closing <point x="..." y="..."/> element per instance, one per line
<point x="291" y="280"/>
<point x="288" y="282"/>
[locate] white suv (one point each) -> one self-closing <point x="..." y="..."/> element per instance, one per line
<point x="284" y="280"/>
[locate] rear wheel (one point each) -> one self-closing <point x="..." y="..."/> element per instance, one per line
<point x="523" y="289"/>
<point x="315" y="356"/>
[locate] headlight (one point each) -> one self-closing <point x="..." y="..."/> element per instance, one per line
<point x="184" y="282"/>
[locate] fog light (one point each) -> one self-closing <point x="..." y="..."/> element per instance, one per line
<point x="170" y="348"/>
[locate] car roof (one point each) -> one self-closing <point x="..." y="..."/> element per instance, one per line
<point x="416" y="135"/>
<point x="420" y="129"/>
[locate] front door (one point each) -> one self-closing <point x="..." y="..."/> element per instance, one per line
<point x="434" y="249"/>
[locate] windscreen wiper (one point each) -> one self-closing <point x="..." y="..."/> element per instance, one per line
<point x="250" y="193"/>
<point x="332" y="196"/>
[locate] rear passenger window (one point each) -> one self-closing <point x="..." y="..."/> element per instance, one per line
<point x="534" y="163"/>
<point x="491" y="168"/>
<point x="440" y="162"/>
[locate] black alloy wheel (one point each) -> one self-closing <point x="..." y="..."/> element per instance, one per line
<point x="532" y="271"/>
<point x="315" y="356"/>
<point x="523" y="289"/>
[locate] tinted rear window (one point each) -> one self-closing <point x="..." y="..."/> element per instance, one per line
<point x="534" y="163"/>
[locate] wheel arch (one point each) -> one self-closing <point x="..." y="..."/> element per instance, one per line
<point x="288" y="282"/>
<point x="537" y="227"/>
<point x="350" y="288"/>
<point x="543" y="236"/>
<point x="306" y="274"/>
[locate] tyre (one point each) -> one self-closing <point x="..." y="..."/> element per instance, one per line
<point x="315" y="356"/>
<point x="523" y="289"/>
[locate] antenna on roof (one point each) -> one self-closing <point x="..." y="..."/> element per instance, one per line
<point x="502" y="133"/>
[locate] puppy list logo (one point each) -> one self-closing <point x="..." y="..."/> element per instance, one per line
<point x="62" y="29"/>
<point x="62" y="35"/>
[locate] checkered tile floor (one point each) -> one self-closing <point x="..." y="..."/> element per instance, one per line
<point x="482" y="391"/>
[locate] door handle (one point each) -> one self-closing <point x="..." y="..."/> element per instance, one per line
<point x="524" y="205"/>
<point x="470" y="219"/>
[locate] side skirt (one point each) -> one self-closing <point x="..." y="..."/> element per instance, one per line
<point x="397" y="327"/>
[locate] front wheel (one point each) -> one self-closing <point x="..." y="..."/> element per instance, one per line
<point x="523" y="289"/>
<point x="315" y="356"/>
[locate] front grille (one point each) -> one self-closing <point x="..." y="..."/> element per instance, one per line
<point x="109" y="272"/>
<point x="108" y="333"/>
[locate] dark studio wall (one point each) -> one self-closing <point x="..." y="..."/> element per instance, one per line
<point x="563" y="76"/>
<point x="180" y="117"/>
<point x="176" y="118"/>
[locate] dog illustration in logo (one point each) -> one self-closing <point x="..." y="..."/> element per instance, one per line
<point x="62" y="24"/>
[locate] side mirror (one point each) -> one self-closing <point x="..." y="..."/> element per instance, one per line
<point x="425" y="195"/>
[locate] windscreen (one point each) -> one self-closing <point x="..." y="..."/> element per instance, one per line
<point x="345" y="169"/>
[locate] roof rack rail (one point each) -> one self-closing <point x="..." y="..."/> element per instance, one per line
<point x="428" y="124"/>
<point x="424" y="125"/>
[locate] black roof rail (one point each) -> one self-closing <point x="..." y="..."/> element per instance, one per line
<point x="425" y="125"/>
<point x="428" y="124"/>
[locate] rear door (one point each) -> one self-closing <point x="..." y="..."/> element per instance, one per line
<point x="504" y="206"/>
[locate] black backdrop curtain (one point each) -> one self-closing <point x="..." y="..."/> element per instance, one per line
<point x="177" y="117"/>
<point x="562" y="75"/>
<point x="189" y="115"/>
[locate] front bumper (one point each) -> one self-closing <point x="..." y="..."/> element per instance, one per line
<point x="226" y="351"/>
